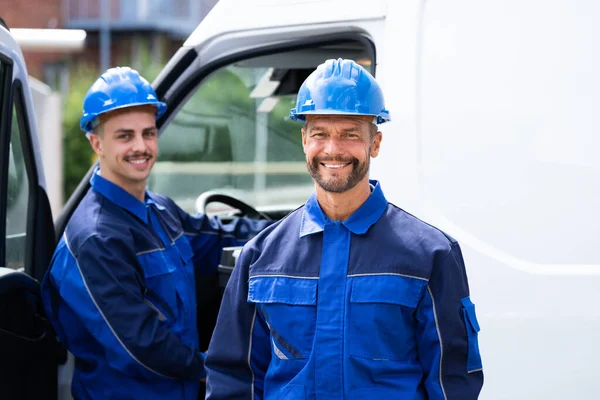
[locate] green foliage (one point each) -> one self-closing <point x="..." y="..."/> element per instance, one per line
<point x="222" y="92"/>
<point x="78" y="155"/>
<point x="221" y="95"/>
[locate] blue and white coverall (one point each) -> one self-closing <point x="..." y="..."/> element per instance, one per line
<point x="375" y="307"/>
<point x="120" y="292"/>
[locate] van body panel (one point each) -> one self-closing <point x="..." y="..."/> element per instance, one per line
<point x="245" y="16"/>
<point x="492" y="140"/>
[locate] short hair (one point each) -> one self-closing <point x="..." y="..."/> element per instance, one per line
<point x="373" y="129"/>
<point x="99" y="130"/>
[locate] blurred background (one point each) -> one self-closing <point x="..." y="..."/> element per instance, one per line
<point x="68" y="43"/>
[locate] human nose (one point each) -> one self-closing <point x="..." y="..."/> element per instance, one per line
<point x="333" y="146"/>
<point x="139" y="146"/>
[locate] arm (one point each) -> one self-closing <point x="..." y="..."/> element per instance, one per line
<point x="104" y="288"/>
<point x="208" y="236"/>
<point x="240" y="350"/>
<point x="447" y="332"/>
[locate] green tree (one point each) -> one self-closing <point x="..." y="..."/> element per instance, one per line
<point x="78" y="155"/>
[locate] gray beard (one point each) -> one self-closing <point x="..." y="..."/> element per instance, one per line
<point x="339" y="185"/>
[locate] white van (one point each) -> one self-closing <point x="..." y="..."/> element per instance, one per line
<point x="494" y="134"/>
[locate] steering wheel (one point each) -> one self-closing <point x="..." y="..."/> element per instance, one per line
<point x="213" y="197"/>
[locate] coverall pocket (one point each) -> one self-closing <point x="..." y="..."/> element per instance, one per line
<point x="288" y="306"/>
<point x="380" y="316"/>
<point x="161" y="285"/>
<point x="473" y="357"/>
<point x="292" y="392"/>
<point x="185" y="251"/>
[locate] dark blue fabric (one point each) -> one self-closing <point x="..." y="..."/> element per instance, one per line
<point x="368" y="308"/>
<point x="121" y="292"/>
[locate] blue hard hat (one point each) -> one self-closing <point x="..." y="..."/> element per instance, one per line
<point x="340" y="87"/>
<point x="116" y="88"/>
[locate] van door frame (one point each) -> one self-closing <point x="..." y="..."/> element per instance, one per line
<point x="5" y="123"/>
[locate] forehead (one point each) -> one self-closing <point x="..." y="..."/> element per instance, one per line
<point x="358" y="121"/>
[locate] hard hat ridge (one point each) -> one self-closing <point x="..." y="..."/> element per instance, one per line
<point x="117" y="88"/>
<point x="340" y="87"/>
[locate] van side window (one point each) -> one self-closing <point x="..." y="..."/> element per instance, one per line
<point x="234" y="136"/>
<point x="17" y="196"/>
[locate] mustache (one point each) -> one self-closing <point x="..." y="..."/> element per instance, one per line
<point x="138" y="155"/>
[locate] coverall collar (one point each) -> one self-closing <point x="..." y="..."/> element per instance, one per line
<point x="313" y="218"/>
<point x="121" y="197"/>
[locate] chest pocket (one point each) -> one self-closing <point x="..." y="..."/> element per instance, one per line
<point x="288" y="305"/>
<point x="161" y="285"/>
<point x="381" y="316"/>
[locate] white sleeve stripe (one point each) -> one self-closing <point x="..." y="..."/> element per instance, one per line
<point x="437" y="327"/>
<point x="250" y="353"/>
<point x="389" y="274"/>
<point x="104" y="317"/>
<point x="223" y="235"/>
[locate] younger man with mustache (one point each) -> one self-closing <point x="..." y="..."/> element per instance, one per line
<point x="120" y="291"/>
<point x="349" y="297"/>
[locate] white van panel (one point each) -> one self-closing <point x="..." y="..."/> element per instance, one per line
<point x="397" y="165"/>
<point x="492" y="139"/>
<point x="509" y="126"/>
<point x="243" y="15"/>
<point x="508" y="98"/>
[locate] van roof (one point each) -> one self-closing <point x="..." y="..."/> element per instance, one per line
<point x="242" y="15"/>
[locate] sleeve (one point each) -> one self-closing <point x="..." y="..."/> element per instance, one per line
<point x="208" y="236"/>
<point x="240" y="349"/>
<point x="104" y="289"/>
<point x="447" y="332"/>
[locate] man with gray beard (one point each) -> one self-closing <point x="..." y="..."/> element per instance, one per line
<point x="349" y="297"/>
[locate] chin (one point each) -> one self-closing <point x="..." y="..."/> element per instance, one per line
<point x="139" y="177"/>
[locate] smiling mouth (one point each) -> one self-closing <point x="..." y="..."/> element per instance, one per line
<point x="139" y="161"/>
<point x="335" y="166"/>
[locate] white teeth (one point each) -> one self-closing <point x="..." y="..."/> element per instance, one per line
<point x="142" y="161"/>
<point x="335" y="165"/>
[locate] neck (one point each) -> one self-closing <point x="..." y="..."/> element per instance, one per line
<point x="340" y="206"/>
<point x="138" y="192"/>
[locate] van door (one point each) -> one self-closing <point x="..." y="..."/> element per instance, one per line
<point x="30" y="352"/>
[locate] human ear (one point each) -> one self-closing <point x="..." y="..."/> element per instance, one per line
<point x="97" y="143"/>
<point x="376" y="144"/>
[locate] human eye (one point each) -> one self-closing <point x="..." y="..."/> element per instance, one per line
<point x="352" y="135"/>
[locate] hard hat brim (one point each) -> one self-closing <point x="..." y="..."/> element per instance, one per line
<point x="88" y="119"/>
<point x="382" y="117"/>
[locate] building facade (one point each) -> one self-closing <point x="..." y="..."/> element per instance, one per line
<point x="131" y="32"/>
